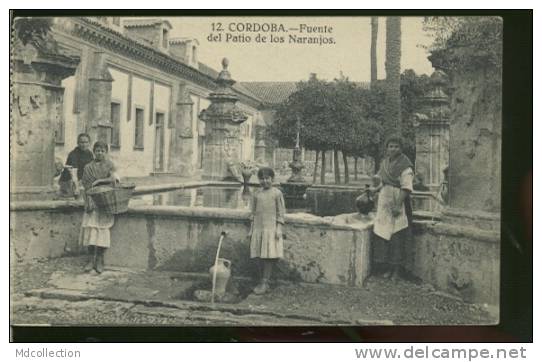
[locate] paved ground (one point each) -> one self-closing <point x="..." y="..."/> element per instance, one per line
<point x="57" y="292"/>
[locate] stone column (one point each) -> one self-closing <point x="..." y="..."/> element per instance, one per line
<point x="223" y="120"/>
<point x="37" y="103"/>
<point x="100" y="84"/>
<point x="433" y="137"/>
<point x="475" y="135"/>
<point x="222" y="149"/>
<point x="181" y="153"/>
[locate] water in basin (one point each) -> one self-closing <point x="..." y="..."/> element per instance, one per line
<point x="211" y="196"/>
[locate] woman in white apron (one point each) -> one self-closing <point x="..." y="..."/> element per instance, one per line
<point x="394" y="211"/>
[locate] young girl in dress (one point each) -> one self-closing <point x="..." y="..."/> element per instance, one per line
<point x="96" y="224"/>
<point x="266" y="241"/>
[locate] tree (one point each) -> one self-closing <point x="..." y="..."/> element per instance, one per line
<point x="30" y="29"/>
<point x="309" y="103"/>
<point x="393" y="70"/>
<point x="465" y="43"/>
<point x="330" y="115"/>
<point x="342" y="117"/>
<point x="374" y="76"/>
<point x="374" y="39"/>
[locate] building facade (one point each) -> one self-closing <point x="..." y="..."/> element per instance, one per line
<point x="141" y="92"/>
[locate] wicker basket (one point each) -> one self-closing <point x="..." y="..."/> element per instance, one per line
<point x="112" y="199"/>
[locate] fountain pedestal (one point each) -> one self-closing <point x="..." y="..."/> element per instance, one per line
<point x="295" y="187"/>
<point x="223" y="120"/>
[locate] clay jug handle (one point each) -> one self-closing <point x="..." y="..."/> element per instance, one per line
<point x="227" y="263"/>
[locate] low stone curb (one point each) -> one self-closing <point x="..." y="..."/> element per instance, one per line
<point x="75" y="296"/>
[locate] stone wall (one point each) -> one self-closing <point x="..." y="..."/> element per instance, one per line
<point x="185" y="239"/>
<point x="44" y="229"/>
<point x="459" y="260"/>
<point x="475" y="141"/>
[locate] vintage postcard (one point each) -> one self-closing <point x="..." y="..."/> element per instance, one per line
<point x="256" y="170"/>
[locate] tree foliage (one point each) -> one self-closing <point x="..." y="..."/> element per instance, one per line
<point x="340" y="115"/>
<point x="336" y="115"/>
<point x="465" y="42"/>
<point x="28" y="29"/>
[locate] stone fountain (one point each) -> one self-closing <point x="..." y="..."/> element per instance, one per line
<point x="294" y="188"/>
<point x="223" y="121"/>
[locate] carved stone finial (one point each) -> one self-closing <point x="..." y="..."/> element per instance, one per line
<point x="224" y="77"/>
<point x="223" y="100"/>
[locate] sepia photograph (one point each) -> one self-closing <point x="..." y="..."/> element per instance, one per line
<point x="255" y="170"/>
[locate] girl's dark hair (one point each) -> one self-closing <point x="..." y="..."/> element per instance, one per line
<point x="266" y="171"/>
<point x="395" y="138"/>
<point x="81" y="135"/>
<point x="100" y="144"/>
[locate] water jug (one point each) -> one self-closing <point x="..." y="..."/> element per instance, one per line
<point x="223" y="274"/>
<point x="365" y="202"/>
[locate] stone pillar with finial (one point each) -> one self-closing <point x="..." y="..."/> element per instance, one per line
<point x="99" y="99"/>
<point x="432" y="124"/>
<point x="222" y="123"/>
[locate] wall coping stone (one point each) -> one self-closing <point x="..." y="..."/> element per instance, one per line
<point x="459" y="231"/>
<point x="238" y="215"/>
<point x="46" y="205"/>
<point x="335" y="187"/>
<point x="472" y="214"/>
<point x="242" y="216"/>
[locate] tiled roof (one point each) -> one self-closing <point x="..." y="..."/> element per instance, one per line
<point x="277" y="92"/>
<point x="134" y="23"/>
<point x="271" y="92"/>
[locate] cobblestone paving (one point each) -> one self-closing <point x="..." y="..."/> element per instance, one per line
<point x="127" y="297"/>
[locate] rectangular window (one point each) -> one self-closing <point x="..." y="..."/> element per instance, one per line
<point x="159" y="145"/>
<point x="115" y="122"/>
<point x="139" y="131"/>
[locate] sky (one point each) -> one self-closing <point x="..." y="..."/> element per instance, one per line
<point x="255" y="61"/>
